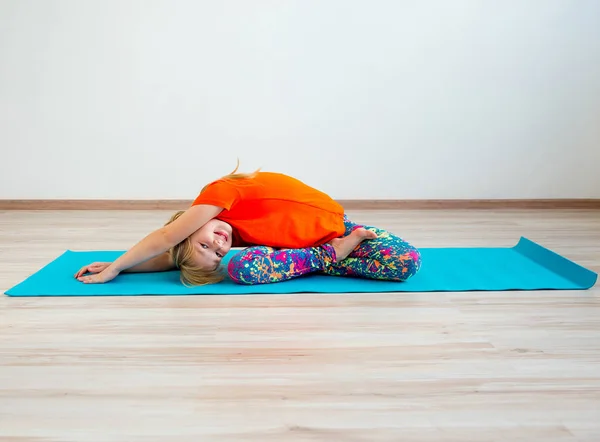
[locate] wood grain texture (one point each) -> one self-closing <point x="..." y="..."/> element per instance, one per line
<point x="446" y="204"/>
<point x="477" y="366"/>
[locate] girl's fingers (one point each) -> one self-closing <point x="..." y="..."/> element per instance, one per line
<point x="89" y="268"/>
<point x="95" y="267"/>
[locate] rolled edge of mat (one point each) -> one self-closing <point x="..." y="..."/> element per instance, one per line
<point x="579" y="275"/>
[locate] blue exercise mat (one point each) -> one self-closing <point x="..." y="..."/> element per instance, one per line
<point x="526" y="266"/>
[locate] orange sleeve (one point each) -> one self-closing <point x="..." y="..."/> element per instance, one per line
<point x="220" y="194"/>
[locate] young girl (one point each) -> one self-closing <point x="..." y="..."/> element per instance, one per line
<point x="286" y="229"/>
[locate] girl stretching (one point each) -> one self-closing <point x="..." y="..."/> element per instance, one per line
<point x="285" y="228"/>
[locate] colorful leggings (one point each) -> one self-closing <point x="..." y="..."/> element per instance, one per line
<point x="386" y="257"/>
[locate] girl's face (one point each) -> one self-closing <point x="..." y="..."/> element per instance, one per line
<point x="211" y="242"/>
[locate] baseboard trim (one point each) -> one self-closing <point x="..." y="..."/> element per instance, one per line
<point x="438" y="204"/>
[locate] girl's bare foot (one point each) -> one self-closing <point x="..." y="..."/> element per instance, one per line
<point x="344" y="246"/>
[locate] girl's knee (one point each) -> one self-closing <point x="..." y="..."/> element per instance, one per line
<point x="407" y="265"/>
<point x="239" y="267"/>
<point x="235" y="266"/>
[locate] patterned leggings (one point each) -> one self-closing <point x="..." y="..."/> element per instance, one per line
<point x="387" y="257"/>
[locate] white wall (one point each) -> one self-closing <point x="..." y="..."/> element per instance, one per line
<point x="363" y="99"/>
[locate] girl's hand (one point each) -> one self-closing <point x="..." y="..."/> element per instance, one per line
<point x="95" y="267"/>
<point x="108" y="274"/>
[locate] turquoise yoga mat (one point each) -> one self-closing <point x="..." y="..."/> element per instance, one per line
<point x="526" y="266"/>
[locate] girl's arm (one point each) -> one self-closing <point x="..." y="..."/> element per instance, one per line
<point x="160" y="263"/>
<point x="157" y="242"/>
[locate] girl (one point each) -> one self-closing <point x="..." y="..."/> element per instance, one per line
<point x="286" y="229"/>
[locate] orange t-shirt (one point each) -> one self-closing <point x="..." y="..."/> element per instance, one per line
<point x="275" y="210"/>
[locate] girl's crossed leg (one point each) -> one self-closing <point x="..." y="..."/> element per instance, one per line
<point x="386" y="257"/>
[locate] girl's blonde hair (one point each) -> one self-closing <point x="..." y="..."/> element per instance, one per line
<point x="182" y="253"/>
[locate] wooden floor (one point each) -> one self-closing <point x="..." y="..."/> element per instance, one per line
<point x="509" y="366"/>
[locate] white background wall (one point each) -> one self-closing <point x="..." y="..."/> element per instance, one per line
<point x="363" y="99"/>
